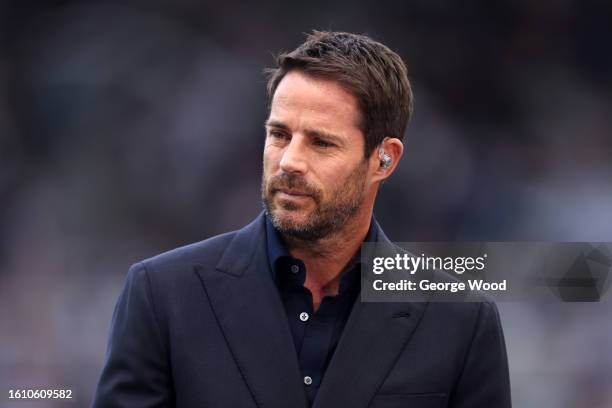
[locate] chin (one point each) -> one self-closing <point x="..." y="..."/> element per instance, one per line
<point x="292" y="216"/>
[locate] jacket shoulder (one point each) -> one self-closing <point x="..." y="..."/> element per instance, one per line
<point x="205" y="253"/>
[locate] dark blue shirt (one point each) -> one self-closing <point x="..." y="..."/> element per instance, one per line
<point x="315" y="334"/>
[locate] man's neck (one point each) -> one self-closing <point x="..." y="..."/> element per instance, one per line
<point x="326" y="258"/>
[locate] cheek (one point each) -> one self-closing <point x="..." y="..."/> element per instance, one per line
<point x="339" y="180"/>
<point x="271" y="158"/>
<point x="331" y="180"/>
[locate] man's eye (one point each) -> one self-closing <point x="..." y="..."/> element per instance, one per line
<point x="278" y="135"/>
<point x="323" y="143"/>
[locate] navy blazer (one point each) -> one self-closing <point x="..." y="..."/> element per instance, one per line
<point x="204" y="326"/>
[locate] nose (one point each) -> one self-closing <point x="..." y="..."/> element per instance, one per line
<point x="293" y="158"/>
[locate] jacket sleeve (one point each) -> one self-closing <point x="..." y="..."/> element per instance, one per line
<point x="485" y="381"/>
<point x="136" y="367"/>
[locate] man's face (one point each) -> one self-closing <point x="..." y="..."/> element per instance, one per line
<point x="314" y="170"/>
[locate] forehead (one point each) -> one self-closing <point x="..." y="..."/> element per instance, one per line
<point x="301" y="98"/>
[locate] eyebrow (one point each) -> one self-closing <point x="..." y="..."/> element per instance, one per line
<point x="276" y="124"/>
<point x="309" y="132"/>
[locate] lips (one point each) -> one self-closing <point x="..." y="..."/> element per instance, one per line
<point x="293" y="192"/>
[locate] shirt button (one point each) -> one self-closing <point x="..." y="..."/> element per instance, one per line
<point x="307" y="380"/>
<point x="295" y="268"/>
<point x="303" y="317"/>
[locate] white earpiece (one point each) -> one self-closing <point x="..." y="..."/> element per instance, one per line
<point x="385" y="159"/>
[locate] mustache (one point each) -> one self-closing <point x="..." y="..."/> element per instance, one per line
<point x="290" y="181"/>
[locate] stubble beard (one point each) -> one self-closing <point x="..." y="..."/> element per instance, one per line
<point x="327" y="218"/>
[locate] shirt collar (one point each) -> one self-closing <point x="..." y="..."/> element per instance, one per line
<point x="277" y="249"/>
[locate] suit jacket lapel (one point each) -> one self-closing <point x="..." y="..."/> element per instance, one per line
<point x="373" y="338"/>
<point x="250" y="312"/>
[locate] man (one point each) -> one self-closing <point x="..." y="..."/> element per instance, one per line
<point x="269" y="316"/>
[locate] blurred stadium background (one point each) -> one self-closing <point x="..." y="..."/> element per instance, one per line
<point x="131" y="127"/>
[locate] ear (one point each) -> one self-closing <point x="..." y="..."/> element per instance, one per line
<point x="393" y="148"/>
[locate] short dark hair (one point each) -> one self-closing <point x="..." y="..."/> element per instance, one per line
<point x="374" y="74"/>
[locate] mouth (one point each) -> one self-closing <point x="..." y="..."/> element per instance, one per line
<point x="290" y="192"/>
<point x="292" y="197"/>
